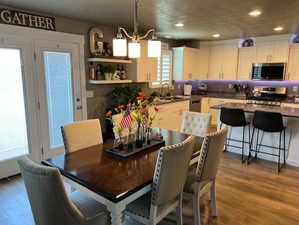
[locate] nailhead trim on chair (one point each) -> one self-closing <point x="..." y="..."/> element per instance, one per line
<point x="159" y="164"/>
<point x="204" y="153"/>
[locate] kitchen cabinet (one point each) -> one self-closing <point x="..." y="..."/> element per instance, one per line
<point x="143" y="69"/>
<point x="170" y="115"/>
<point x="223" y="62"/>
<point x="272" y="51"/>
<point x="190" y="63"/>
<point x="207" y="103"/>
<point x="247" y="56"/>
<point x="293" y="68"/>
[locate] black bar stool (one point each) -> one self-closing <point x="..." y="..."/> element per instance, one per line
<point x="271" y="122"/>
<point x="235" y="118"/>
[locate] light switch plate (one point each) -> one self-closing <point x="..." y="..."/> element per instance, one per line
<point x="230" y="86"/>
<point x="295" y="88"/>
<point x="89" y="94"/>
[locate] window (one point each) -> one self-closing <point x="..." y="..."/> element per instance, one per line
<point x="164" y="67"/>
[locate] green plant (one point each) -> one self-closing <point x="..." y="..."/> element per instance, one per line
<point x="108" y="69"/>
<point x="123" y="95"/>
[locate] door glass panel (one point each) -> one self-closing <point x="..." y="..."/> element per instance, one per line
<point x="58" y="72"/>
<point x="13" y="127"/>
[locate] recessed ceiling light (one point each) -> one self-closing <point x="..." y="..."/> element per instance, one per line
<point x="216" y="35"/>
<point x="179" y="25"/>
<point x="278" y="28"/>
<point x="255" y="13"/>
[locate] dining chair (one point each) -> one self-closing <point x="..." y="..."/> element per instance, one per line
<point x="81" y="134"/>
<point x="202" y="176"/>
<point x="50" y="203"/>
<point x="196" y="124"/>
<point x="168" y="184"/>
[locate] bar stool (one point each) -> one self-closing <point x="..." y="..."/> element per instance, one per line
<point x="270" y="122"/>
<point x="235" y="118"/>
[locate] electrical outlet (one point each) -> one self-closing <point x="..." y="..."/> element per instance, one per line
<point x="295" y="88"/>
<point x="230" y="86"/>
<point x="89" y="94"/>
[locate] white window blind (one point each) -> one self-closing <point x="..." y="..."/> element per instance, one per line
<point x="164" y="66"/>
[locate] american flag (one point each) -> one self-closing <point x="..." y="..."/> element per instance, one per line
<point x="126" y="120"/>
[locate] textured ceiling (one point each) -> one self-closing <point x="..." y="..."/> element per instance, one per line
<point x="202" y="18"/>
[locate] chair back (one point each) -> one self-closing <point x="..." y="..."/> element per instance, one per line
<point x="171" y="172"/>
<point x="210" y="155"/>
<point x="233" y="117"/>
<point x="81" y="134"/>
<point x="47" y="196"/>
<point x="195" y="123"/>
<point x="268" y="121"/>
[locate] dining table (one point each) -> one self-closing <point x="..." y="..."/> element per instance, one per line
<point x="112" y="181"/>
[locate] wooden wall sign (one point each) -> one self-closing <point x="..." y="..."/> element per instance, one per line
<point x="20" y="18"/>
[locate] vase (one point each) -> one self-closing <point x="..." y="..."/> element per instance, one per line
<point x="139" y="136"/>
<point x="118" y="144"/>
<point x="108" y="76"/>
<point x="148" y="135"/>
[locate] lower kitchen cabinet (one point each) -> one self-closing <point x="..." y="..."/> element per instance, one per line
<point x="170" y="115"/>
<point x="207" y="103"/>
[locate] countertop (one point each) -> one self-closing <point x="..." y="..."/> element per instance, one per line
<point x="285" y="111"/>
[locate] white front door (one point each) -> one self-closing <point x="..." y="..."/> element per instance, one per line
<point x="60" y="92"/>
<point x="18" y="114"/>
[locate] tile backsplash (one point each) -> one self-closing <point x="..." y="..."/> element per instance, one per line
<point x="226" y="86"/>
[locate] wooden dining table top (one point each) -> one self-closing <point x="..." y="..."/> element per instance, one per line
<point x="114" y="179"/>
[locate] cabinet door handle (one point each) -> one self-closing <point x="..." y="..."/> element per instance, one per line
<point x="150" y="76"/>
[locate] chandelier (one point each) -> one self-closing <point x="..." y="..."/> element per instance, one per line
<point x="120" y="42"/>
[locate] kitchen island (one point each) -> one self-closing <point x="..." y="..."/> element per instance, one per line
<point x="291" y="121"/>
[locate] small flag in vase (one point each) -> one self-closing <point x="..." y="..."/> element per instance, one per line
<point x="126" y="120"/>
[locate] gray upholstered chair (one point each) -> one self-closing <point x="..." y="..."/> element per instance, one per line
<point x="81" y="134"/>
<point x="202" y="176"/>
<point x="168" y="184"/>
<point x="50" y="203"/>
<point x="196" y="124"/>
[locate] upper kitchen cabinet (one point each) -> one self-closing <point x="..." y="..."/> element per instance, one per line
<point x="247" y="56"/>
<point x="190" y="63"/>
<point x="293" y="68"/>
<point x="223" y="62"/>
<point x="143" y="69"/>
<point x="272" y="51"/>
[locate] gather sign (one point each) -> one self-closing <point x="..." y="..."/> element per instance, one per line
<point x="20" y="18"/>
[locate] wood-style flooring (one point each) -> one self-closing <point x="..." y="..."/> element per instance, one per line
<point x="246" y="195"/>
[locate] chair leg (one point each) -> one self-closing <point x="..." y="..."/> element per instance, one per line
<point x="196" y="206"/>
<point x="250" y="146"/>
<point x="284" y="147"/>
<point x="213" y="199"/>
<point x="257" y="143"/>
<point x="279" y="150"/>
<point x="179" y="211"/>
<point x="243" y="136"/>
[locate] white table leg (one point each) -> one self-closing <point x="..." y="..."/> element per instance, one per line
<point x="117" y="213"/>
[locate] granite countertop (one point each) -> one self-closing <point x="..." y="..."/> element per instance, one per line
<point x="285" y="111"/>
<point x="238" y="96"/>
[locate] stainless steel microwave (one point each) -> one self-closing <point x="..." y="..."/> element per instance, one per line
<point x="268" y="71"/>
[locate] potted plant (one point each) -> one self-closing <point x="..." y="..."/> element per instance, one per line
<point x="108" y="71"/>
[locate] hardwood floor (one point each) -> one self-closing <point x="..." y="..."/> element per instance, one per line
<point x="246" y="195"/>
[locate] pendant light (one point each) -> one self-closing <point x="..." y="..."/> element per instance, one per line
<point x="134" y="48"/>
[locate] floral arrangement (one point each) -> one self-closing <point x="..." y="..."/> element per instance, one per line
<point x="137" y="117"/>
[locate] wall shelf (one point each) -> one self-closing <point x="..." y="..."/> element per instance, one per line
<point x="109" y="60"/>
<point x="109" y="81"/>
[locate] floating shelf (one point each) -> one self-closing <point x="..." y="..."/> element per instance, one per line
<point x="109" y="60"/>
<point x="109" y="81"/>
